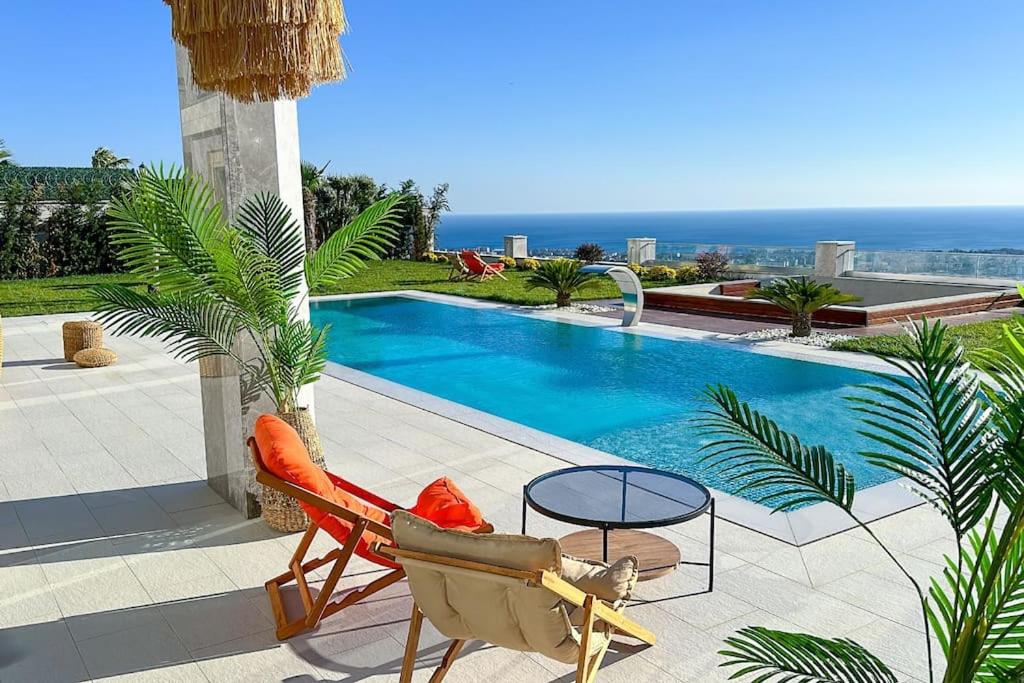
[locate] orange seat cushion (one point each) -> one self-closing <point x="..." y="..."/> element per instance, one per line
<point x="284" y="454"/>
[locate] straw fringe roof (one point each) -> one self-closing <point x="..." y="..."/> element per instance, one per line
<point x="261" y="50"/>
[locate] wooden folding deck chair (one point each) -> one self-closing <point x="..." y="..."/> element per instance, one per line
<point x="479" y="268"/>
<point x="355" y="525"/>
<point x="458" y="270"/>
<point x="512" y="591"/>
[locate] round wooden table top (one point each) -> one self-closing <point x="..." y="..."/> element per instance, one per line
<point x="656" y="555"/>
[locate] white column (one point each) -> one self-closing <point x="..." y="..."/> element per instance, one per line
<point x="515" y="246"/>
<point x="240" y="149"/>
<point x="640" y="249"/>
<point x="833" y="258"/>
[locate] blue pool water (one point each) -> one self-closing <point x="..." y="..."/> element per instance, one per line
<point x="627" y="394"/>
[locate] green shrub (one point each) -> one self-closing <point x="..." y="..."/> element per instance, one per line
<point x="589" y="253"/>
<point x="433" y="257"/>
<point x="529" y="264"/>
<point x="638" y="269"/>
<point x="661" y="273"/>
<point x="507" y="261"/>
<point x="687" y="274"/>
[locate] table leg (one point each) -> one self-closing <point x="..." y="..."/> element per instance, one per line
<point x="711" y="551"/>
<point x="524" y="511"/>
<point x="604" y="544"/>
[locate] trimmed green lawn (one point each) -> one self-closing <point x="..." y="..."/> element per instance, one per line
<point x="71" y="294"/>
<point x="54" y="294"/>
<point x="972" y="336"/>
<point x="387" y="276"/>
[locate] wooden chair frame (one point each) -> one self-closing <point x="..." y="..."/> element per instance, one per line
<point x="488" y="270"/>
<point x="458" y="270"/>
<point x="594" y="610"/>
<point x="322" y="606"/>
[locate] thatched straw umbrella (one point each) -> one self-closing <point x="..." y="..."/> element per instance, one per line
<point x="261" y="50"/>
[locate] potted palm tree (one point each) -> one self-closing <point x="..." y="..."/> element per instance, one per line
<point x="958" y="439"/>
<point x="800" y="298"/>
<point x="216" y="286"/>
<point x="564" y="277"/>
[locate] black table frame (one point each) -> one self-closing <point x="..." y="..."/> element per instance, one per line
<point x="605" y="526"/>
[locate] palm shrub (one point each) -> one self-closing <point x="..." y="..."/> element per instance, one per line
<point x="564" y="277"/>
<point x="213" y="282"/>
<point x="311" y="177"/>
<point x="800" y="298"/>
<point x="960" y="441"/>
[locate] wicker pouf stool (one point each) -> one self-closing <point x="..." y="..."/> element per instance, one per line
<point x="95" y="358"/>
<point x="81" y="334"/>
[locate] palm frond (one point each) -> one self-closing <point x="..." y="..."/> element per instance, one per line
<point x="193" y="326"/>
<point x="978" y="617"/>
<point x="345" y="252"/>
<point x="165" y="227"/>
<point x="933" y="426"/>
<point x="785" y="657"/>
<point x="299" y="350"/>
<point x="773" y="464"/>
<point x="250" y="282"/>
<point x="1005" y="397"/>
<point x="272" y="231"/>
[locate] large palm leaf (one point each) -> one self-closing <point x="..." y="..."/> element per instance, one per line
<point x="273" y="232"/>
<point x="933" y="426"/>
<point x="346" y="251"/>
<point x="166" y="228"/>
<point x="979" y="617"/>
<point x="775" y="465"/>
<point x="784" y="657"/>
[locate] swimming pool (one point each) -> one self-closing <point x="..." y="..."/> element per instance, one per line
<point x="631" y="395"/>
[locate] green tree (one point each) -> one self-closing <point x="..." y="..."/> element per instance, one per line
<point x="425" y="226"/>
<point x="800" y="298"/>
<point x="312" y="177"/>
<point x="341" y="198"/>
<point x="20" y="226"/>
<point x="215" y="280"/>
<point x="564" y="277"/>
<point x="105" y="158"/>
<point x="76" y="233"/>
<point x="5" y="154"/>
<point x="961" y="442"/>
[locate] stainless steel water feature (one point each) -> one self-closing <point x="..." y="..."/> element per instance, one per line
<point x="629" y="284"/>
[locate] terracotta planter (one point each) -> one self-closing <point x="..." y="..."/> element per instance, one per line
<point x="280" y="511"/>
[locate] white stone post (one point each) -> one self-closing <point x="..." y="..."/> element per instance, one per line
<point x="240" y="149"/>
<point x="515" y="246"/>
<point x="833" y="258"/>
<point x="640" y="249"/>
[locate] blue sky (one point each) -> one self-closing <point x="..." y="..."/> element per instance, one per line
<point x="585" y="105"/>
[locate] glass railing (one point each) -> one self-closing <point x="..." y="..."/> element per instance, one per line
<point x="960" y="264"/>
<point x="741" y="256"/>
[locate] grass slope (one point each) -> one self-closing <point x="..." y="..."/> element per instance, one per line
<point x="972" y="336"/>
<point x="71" y="294"/>
<point x="55" y="294"/>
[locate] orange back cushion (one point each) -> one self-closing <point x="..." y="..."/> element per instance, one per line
<point x="444" y="504"/>
<point x="284" y="454"/>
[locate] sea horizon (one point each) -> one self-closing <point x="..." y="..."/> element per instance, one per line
<point x="927" y="228"/>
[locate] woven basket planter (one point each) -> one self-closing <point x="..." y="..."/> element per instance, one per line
<point x="281" y="511"/>
<point x="81" y="334"/>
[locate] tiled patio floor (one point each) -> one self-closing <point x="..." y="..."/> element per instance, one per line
<point x="116" y="561"/>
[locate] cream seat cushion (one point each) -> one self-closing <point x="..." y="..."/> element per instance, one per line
<point x="467" y="605"/>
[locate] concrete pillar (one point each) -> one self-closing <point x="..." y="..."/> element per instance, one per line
<point x="833" y="258"/>
<point x="240" y="149"/>
<point x="515" y="246"/>
<point x="640" y="249"/>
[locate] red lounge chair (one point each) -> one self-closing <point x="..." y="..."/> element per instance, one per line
<point x="355" y="517"/>
<point x="481" y="269"/>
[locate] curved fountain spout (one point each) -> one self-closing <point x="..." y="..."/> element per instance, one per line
<point x="629" y="284"/>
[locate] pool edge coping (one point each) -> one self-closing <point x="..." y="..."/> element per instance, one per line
<point x="798" y="528"/>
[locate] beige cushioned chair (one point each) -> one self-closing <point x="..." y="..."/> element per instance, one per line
<point x="516" y="592"/>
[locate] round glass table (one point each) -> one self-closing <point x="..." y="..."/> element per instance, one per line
<point x="620" y="501"/>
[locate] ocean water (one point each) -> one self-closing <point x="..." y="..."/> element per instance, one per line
<point x="631" y="395"/>
<point x="938" y="228"/>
